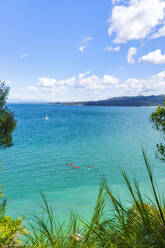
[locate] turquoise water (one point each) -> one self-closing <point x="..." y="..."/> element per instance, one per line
<point x="108" y="138"/>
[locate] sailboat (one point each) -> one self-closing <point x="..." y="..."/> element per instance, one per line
<point x="46" y="117"/>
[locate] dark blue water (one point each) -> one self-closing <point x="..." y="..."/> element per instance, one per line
<point x="108" y="138"/>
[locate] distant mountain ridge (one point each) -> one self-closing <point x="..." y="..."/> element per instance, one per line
<point x="130" y="101"/>
<point x="152" y="100"/>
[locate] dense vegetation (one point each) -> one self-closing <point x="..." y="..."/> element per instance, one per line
<point x="158" y="120"/>
<point x="7" y="121"/>
<point x="9" y="227"/>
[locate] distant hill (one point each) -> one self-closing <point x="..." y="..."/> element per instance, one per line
<point x="122" y="101"/>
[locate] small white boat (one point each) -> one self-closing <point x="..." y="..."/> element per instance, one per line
<point x="46" y="118"/>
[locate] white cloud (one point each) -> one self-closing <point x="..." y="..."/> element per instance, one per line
<point x="83" y="44"/>
<point x="121" y="68"/>
<point x="55" y="84"/>
<point x="132" y="51"/>
<point x="89" y="87"/>
<point x="155" y="57"/>
<point x="159" y="33"/>
<point x="23" y="55"/>
<point x="133" y="86"/>
<point x="82" y="48"/>
<point x="136" y="20"/>
<point x="114" y="49"/>
<point x="95" y="83"/>
<point x="32" y="88"/>
<point x="82" y="75"/>
<point x="82" y="81"/>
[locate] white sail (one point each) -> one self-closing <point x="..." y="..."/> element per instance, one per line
<point x="46" y="118"/>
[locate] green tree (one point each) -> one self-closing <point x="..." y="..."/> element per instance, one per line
<point x="10" y="228"/>
<point x="158" y="120"/>
<point x="7" y="121"/>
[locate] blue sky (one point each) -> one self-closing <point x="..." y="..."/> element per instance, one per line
<point x="82" y="50"/>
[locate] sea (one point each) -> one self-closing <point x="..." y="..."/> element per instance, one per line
<point x="101" y="141"/>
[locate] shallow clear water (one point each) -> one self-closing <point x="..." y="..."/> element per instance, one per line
<point x="108" y="138"/>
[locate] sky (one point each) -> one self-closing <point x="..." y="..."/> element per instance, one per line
<point x="76" y="50"/>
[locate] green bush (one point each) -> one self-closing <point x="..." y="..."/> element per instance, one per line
<point x="158" y="120"/>
<point x="11" y="231"/>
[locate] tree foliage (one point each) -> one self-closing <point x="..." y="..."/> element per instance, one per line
<point x="158" y="120"/>
<point x="11" y="231"/>
<point x="7" y="121"/>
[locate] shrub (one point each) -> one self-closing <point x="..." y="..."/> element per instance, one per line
<point x="10" y="231"/>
